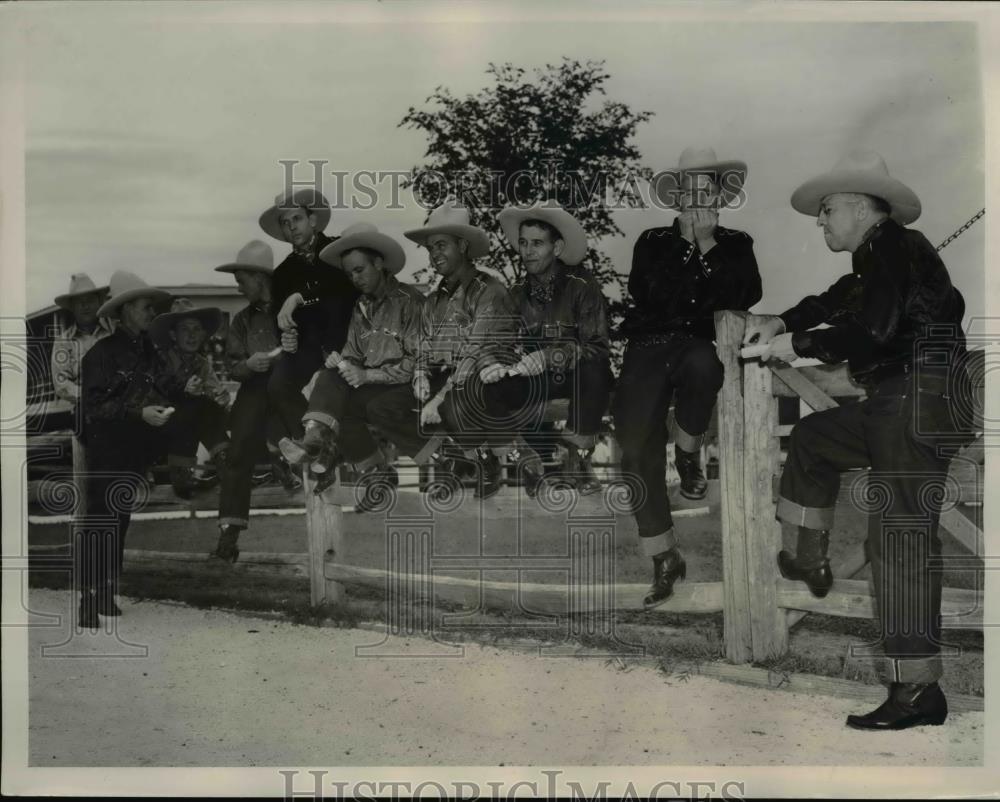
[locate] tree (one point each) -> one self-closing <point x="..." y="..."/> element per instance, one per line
<point x="527" y="138"/>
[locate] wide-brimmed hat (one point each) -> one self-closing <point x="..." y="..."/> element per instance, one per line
<point x="311" y="199"/>
<point x="450" y="218"/>
<point x="730" y="175"/>
<point x="125" y="287"/>
<point x="256" y="256"/>
<point x="573" y="235"/>
<point x="864" y="172"/>
<point x="162" y="325"/>
<point x="79" y="284"/>
<point x="365" y="235"/>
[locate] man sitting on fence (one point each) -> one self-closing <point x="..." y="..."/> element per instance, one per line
<point x="563" y="340"/>
<point x="374" y="367"/>
<point x="312" y="303"/>
<point x="127" y="424"/>
<point x="681" y="275"/>
<point x="467" y="322"/>
<point x="252" y="347"/>
<point x="191" y="386"/>
<point x="896" y="320"/>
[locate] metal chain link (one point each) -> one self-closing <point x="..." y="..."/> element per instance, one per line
<point x="961" y="230"/>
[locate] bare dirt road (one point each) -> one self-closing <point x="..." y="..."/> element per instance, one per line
<point x="177" y="686"/>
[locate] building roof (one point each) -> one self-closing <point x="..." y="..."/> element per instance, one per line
<point x="174" y="289"/>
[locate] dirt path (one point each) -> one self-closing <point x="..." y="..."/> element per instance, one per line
<point x="217" y="689"/>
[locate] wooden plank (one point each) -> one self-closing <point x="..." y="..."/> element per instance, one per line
<point x="964" y="531"/>
<point x="324" y="528"/>
<point x="831" y="380"/>
<point x="288" y="564"/>
<point x="802" y="387"/>
<point x="844" y="569"/>
<point x="851" y="598"/>
<point x="768" y="623"/>
<point x="689" y="597"/>
<point x="729" y="328"/>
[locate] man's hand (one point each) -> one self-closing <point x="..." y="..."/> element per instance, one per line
<point x="704" y="222"/>
<point x="764" y="331"/>
<point x="333" y="360"/>
<point x="686" y="222"/>
<point x="421" y="386"/>
<point x="492" y="373"/>
<point x="430" y="414"/>
<point x="259" y="362"/>
<point x="532" y="364"/>
<point x="292" y="302"/>
<point x="193" y="386"/>
<point x="780" y="347"/>
<point x="352" y="374"/>
<point x="156" y="415"/>
<point x="290" y="340"/>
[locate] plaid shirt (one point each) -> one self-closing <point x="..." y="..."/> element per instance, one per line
<point x="177" y="367"/>
<point x="384" y="333"/>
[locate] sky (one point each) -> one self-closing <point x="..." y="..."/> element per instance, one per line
<point x="154" y="133"/>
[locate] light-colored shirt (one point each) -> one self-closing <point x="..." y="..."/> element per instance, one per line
<point x="383" y="334"/>
<point x="68" y="350"/>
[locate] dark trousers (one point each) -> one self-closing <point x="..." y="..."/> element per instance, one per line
<point x="685" y="367"/>
<point x="333" y="400"/>
<point x="250" y="428"/>
<point x="291" y="372"/>
<point x="195" y="420"/>
<point x="520" y="401"/>
<point x="892" y="432"/>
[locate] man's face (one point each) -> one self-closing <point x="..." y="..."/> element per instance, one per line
<point x="138" y="314"/>
<point x="365" y="272"/>
<point x="84" y="308"/>
<point x="298" y="225"/>
<point x="189" y="335"/>
<point x="537" y="248"/>
<point x="250" y="284"/>
<point x="447" y="255"/>
<point x="839" y="219"/>
<point x="698" y="191"/>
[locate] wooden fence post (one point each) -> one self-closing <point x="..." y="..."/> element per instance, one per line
<point x="324" y="532"/>
<point x="79" y="475"/>
<point x="736" y="610"/>
<point x="768" y="623"/>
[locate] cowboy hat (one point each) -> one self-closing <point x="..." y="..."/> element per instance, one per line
<point x="256" y="256"/>
<point x="450" y="218"/>
<point x="365" y="235"/>
<point x="730" y="176"/>
<point x="125" y="287"/>
<point x="864" y="172"/>
<point x="573" y="236"/>
<point x="79" y="284"/>
<point x="305" y="197"/>
<point x="159" y="331"/>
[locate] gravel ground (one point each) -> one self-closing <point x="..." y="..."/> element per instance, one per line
<point x="176" y="686"/>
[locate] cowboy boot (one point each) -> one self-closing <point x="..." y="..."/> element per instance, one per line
<point x="282" y="472"/>
<point x="532" y="470"/>
<point x="87" y="614"/>
<point x="182" y="481"/>
<point x="668" y="567"/>
<point x="106" y="601"/>
<point x="810" y="563"/>
<point x="226" y="549"/>
<point x="489" y="480"/>
<point x="587" y="481"/>
<point x="693" y="483"/>
<point x="316" y="437"/>
<point x="908" y="705"/>
<point x="379" y="483"/>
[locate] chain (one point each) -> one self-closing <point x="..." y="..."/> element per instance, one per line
<point x="961" y="230"/>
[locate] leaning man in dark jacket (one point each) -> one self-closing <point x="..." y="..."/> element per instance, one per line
<point x="681" y="275"/>
<point x="896" y="320"/>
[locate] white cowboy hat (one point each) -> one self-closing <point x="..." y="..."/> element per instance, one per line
<point x="311" y="199"/>
<point x="365" y="235"/>
<point x="162" y="325"/>
<point x="256" y="256"/>
<point x="573" y="235"/>
<point x="79" y="284"/>
<point x="450" y="218"/>
<point x="864" y="172"/>
<point x="730" y="176"/>
<point x="125" y="287"/>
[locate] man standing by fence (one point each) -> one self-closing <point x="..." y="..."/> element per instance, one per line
<point x="681" y="275"/>
<point x="896" y="319"/>
<point x="72" y="343"/>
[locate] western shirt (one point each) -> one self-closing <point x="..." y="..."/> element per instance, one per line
<point x="121" y="375"/>
<point x="68" y="350"/>
<point x="253" y="329"/>
<point x="384" y="333"/>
